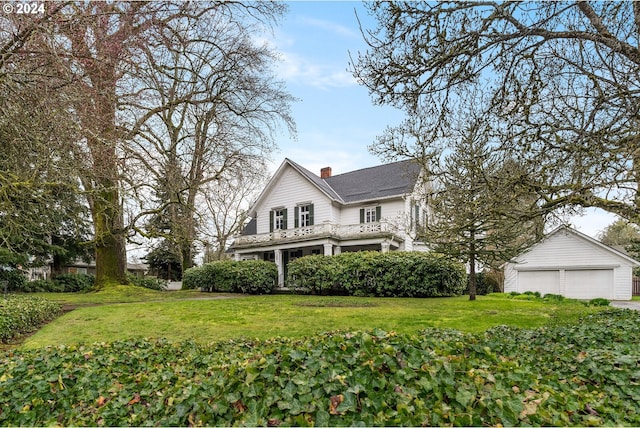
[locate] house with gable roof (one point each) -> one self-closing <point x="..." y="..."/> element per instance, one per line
<point x="300" y="213"/>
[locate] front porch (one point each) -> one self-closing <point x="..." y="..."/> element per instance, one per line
<point x="283" y="246"/>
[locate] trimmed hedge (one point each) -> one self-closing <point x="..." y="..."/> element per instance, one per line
<point x="64" y="283"/>
<point x="24" y="314"/>
<point x="227" y="276"/>
<point x="369" y="273"/>
<point x="150" y="282"/>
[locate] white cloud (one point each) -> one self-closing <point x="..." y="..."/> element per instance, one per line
<point x="337" y="29"/>
<point x="302" y="71"/>
<point x="593" y="221"/>
<point x="318" y="150"/>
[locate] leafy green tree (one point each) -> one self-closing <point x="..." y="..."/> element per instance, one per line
<point x="620" y="233"/>
<point x="165" y="261"/>
<point x="563" y="80"/>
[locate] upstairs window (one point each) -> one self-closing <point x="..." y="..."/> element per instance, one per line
<point x="304" y="215"/>
<point x="370" y="214"/>
<point x="278" y="219"/>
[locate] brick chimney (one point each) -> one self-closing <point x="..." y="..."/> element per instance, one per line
<point x="325" y="172"/>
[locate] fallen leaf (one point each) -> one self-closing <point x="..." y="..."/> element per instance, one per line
<point x="335" y="401"/>
<point x="239" y="406"/>
<point x="135" y="399"/>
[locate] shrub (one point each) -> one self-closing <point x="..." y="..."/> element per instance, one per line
<point x="24" y="314"/>
<point x="193" y="278"/>
<point x="247" y="277"/>
<point x="72" y="283"/>
<point x="43" y="285"/>
<point x="485" y="284"/>
<point x="314" y="275"/>
<point x="369" y="273"/>
<point x="554" y="297"/>
<point x="532" y="293"/>
<point x="16" y="280"/>
<point x="599" y="302"/>
<point x="150" y="282"/>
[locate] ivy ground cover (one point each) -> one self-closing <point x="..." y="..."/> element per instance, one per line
<point x="585" y="373"/>
<point x="24" y="314"/>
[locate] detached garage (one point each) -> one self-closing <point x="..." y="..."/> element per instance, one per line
<point x="574" y="265"/>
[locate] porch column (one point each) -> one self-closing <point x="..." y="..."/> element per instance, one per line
<point x="280" y="265"/>
<point x="337" y="250"/>
<point x="328" y="249"/>
<point x="384" y="247"/>
<point x="236" y="256"/>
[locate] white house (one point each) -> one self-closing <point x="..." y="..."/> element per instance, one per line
<point x="300" y="213"/>
<point x="574" y="265"/>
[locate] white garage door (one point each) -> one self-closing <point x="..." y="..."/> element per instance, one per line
<point x="543" y="281"/>
<point x="589" y="284"/>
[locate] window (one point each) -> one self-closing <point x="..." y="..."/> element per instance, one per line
<point x="370" y="214"/>
<point x="277" y="219"/>
<point x="304" y="215"/>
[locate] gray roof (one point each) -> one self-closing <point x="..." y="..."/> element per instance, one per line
<point x="378" y="182"/>
<point x="250" y="228"/>
<point x="383" y="181"/>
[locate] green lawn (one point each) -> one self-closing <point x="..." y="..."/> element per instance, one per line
<point x="178" y="315"/>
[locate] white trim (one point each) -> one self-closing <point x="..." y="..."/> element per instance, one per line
<point x="523" y="268"/>
<point x="581" y="235"/>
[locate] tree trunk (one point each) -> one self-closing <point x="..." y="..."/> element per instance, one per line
<point x="187" y="255"/>
<point x="472" y="269"/>
<point x="109" y="239"/>
<point x="636" y="176"/>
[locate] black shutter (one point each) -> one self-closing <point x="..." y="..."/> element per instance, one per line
<point x="296" y="220"/>
<point x="361" y="215"/>
<point x="378" y="213"/>
<point x="284" y="218"/>
<point x="311" y="215"/>
<point x="270" y="221"/>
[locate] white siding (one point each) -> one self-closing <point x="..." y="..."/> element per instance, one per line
<point x="389" y="210"/>
<point x="584" y="268"/>
<point x="290" y="190"/>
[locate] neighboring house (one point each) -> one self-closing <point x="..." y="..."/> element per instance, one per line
<point x="574" y="265"/>
<point x="82" y="267"/>
<point x="300" y="213"/>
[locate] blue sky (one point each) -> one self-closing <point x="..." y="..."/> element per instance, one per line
<point x="335" y="116"/>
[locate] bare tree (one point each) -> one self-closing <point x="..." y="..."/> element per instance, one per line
<point x="100" y="51"/>
<point x="565" y="79"/>
<point x="213" y="108"/>
<point x="226" y="207"/>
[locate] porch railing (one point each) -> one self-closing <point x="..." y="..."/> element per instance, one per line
<point x="321" y="230"/>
